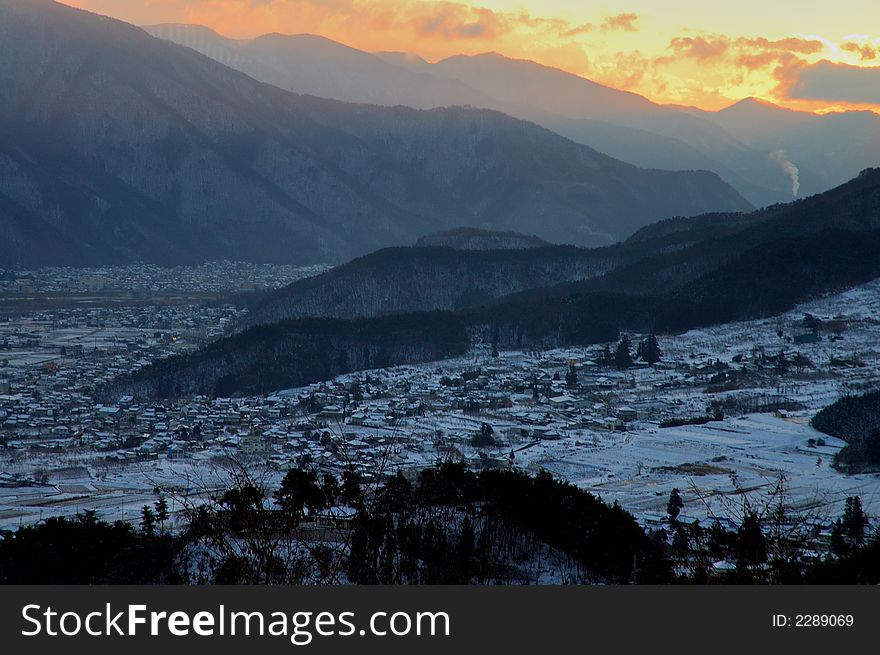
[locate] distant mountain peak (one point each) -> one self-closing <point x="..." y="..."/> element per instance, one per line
<point x="758" y="104"/>
<point x="188" y="27"/>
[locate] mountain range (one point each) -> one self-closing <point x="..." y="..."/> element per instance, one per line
<point x="768" y="153"/>
<point x="116" y="146"/>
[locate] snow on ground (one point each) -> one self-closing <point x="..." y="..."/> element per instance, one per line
<point x="710" y="464"/>
<point x="639" y="469"/>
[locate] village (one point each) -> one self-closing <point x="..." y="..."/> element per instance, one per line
<point x="150" y="278"/>
<point x="723" y="415"/>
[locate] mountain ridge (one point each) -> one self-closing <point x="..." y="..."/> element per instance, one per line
<point x="122" y="147"/>
<point x="654" y="260"/>
<point x="622" y="124"/>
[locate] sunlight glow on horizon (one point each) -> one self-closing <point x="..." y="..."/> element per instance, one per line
<point x="814" y="57"/>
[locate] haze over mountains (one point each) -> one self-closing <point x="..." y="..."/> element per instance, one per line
<point x="118" y="147"/>
<point x="769" y="154"/>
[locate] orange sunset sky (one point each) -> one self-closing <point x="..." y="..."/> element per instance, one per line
<point x="805" y="54"/>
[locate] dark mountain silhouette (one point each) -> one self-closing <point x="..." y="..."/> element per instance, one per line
<point x="654" y="260"/>
<point x="730" y="268"/>
<point x="469" y="238"/>
<point x="424" y="278"/>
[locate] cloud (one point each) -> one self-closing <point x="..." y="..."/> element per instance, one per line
<point x="832" y="82"/>
<point x="699" y="47"/>
<point x="454" y="21"/>
<point x="620" y="23"/>
<point x="578" y="30"/>
<point x="762" y="60"/>
<point x="627" y="70"/>
<point x="865" y="51"/>
<point x="752" y="52"/>
<point x="792" y="44"/>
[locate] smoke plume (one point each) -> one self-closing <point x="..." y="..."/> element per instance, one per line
<point x="790" y="169"/>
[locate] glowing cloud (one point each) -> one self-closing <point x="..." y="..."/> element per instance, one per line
<point x="711" y="60"/>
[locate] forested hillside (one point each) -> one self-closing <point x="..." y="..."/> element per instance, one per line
<point x="764" y="281"/>
<point x="856" y="420"/>
<point x="295" y="353"/>
<point x="654" y="262"/>
<point x="399" y="280"/>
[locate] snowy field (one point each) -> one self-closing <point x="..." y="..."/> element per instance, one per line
<point x="715" y="465"/>
<point x="711" y="465"/>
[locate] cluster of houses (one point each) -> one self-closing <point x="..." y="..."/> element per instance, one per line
<point x="209" y="277"/>
<point x="404" y="418"/>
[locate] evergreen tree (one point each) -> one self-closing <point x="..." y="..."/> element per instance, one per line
<point x="623" y="354"/>
<point x="839" y="545"/>
<point x="680" y="545"/>
<point x="330" y="487"/>
<point x="751" y="546"/>
<point x="484" y="439"/>
<point x="148" y="521"/>
<point x="571" y="378"/>
<point x="854" y="519"/>
<point x="782" y="362"/>
<point x="299" y="493"/>
<point x="351" y="488"/>
<point x="161" y="506"/>
<point x="649" y="350"/>
<point x="675" y="504"/>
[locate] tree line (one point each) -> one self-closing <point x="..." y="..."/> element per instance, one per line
<point x="856" y="420"/>
<point x="449" y="525"/>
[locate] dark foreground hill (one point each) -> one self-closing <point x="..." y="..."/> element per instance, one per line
<point x="289" y="353"/>
<point x="737" y="268"/>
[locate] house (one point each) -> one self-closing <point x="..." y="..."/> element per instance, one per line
<point x="450" y="454"/>
<point x="559" y="402"/>
<point x="331" y="412"/>
<point x="176" y="452"/>
<point x="253" y="445"/>
<point x="335" y="517"/>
